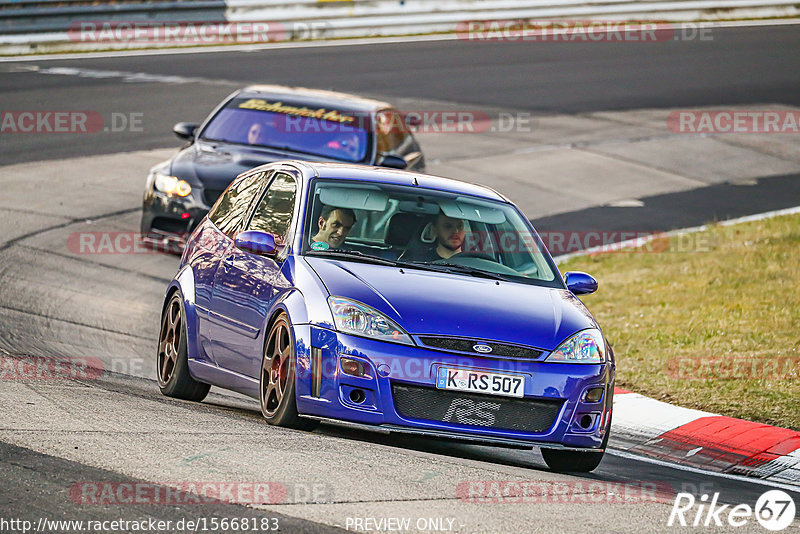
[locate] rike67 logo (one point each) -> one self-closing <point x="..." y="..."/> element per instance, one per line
<point x="774" y="510"/>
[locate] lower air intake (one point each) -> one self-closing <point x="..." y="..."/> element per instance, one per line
<point x="488" y="411"/>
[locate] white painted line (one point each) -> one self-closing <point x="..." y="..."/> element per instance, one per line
<point x="237" y="48"/>
<point x="337" y="42"/>
<point x="640" y="241"/>
<point x="741" y="478"/>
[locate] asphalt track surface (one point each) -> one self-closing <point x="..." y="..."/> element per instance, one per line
<point x="112" y="308"/>
<point x="737" y="66"/>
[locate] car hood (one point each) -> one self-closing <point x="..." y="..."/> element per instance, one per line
<point x="215" y="165"/>
<point x="430" y="303"/>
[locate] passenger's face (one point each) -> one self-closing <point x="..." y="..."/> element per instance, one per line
<point x="449" y="232"/>
<point x="334" y="230"/>
<point x="254" y="134"/>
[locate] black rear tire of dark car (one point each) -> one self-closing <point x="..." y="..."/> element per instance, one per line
<point x="172" y="365"/>
<point x="277" y="378"/>
<point x="562" y="461"/>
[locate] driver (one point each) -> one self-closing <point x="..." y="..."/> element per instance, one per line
<point x="334" y="225"/>
<point x="449" y="233"/>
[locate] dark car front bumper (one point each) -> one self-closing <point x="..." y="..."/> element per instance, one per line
<point x="172" y="218"/>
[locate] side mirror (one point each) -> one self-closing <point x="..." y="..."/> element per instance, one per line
<point x="392" y="162"/>
<point x="580" y="283"/>
<point x="257" y="242"/>
<point x="184" y="130"/>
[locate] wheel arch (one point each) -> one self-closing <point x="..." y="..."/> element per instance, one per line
<point x="184" y="283"/>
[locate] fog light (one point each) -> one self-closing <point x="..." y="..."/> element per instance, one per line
<point x="357" y="396"/>
<point x="594" y="395"/>
<point x="352" y="367"/>
<point x="586" y="421"/>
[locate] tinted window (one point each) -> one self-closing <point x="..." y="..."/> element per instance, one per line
<point x="274" y="213"/>
<point x="230" y="210"/>
<point x="271" y="123"/>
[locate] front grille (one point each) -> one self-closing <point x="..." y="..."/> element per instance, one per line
<point x="211" y="195"/>
<point x="471" y="409"/>
<point x="499" y="350"/>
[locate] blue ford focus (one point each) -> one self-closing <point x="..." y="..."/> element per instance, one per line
<point x="393" y="301"/>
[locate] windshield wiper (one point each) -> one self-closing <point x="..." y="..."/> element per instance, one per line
<point x="435" y="267"/>
<point x="352" y="254"/>
<point x="473" y="271"/>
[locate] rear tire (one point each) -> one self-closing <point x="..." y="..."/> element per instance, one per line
<point x="172" y="365"/>
<point x="277" y="379"/>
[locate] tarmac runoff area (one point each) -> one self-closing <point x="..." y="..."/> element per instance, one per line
<point x="58" y="301"/>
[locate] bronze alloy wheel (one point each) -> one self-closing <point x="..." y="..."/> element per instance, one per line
<point x="172" y="365"/>
<point x="170" y="340"/>
<point x="275" y="367"/>
<point x="276" y="384"/>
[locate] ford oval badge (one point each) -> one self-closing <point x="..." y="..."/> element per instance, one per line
<point x="485" y="349"/>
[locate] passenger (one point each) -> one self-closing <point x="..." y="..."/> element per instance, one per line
<point x="334" y="225"/>
<point x="255" y="135"/>
<point x="449" y="234"/>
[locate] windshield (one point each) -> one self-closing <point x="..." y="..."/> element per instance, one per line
<point x="425" y="229"/>
<point x="282" y="125"/>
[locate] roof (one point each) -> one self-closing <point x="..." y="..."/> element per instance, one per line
<point x="317" y="97"/>
<point x="346" y="171"/>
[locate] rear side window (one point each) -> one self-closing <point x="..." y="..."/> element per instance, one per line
<point x="274" y="212"/>
<point x="229" y="213"/>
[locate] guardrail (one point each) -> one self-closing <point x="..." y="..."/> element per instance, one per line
<point x="43" y="25"/>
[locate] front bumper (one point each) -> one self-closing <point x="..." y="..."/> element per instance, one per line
<point x="171" y="218"/>
<point x="553" y="394"/>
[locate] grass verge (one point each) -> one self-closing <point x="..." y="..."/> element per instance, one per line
<point x="709" y="320"/>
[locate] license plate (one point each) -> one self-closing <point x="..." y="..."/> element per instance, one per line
<point x="480" y="382"/>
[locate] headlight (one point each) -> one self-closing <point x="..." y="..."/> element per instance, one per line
<point x="352" y="317"/>
<point x="587" y="346"/>
<point x="172" y="186"/>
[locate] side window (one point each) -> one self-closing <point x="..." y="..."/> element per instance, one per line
<point x="393" y="132"/>
<point x="230" y="210"/>
<point x="274" y="212"/>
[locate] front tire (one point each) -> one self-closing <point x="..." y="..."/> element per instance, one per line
<point x="562" y="461"/>
<point x="172" y="365"/>
<point x="277" y="378"/>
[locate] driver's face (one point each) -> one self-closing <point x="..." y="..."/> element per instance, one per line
<point x="449" y="232"/>
<point x="334" y="230"/>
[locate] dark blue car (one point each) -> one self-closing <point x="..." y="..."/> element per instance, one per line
<point x="392" y="300"/>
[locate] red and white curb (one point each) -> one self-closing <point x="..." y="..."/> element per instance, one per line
<point x="704" y="440"/>
<point x="693" y="438"/>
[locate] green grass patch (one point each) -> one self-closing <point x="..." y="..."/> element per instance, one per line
<point x="709" y="320"/>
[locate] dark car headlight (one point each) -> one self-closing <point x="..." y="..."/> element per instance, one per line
<point x="353" y="317"/>
<point x="587" y="346"/>
<point x="171" y="185"/>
